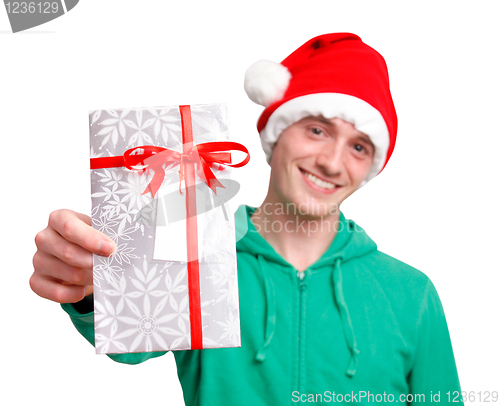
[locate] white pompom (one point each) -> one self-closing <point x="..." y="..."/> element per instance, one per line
<point x="266" y="82"/>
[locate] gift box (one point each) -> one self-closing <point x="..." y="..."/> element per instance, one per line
<point x="162" y="189"/>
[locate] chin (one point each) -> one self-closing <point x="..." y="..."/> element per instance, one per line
<point x="313" y="209"/>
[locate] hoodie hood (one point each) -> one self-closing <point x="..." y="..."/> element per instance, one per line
<point x="351" y="241"/>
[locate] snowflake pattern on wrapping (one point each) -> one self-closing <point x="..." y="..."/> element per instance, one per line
<point x="141" y="304"/>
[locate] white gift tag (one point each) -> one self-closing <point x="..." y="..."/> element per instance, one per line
<point x="214" y="222"/>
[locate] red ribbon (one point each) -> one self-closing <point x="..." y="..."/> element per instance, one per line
<point x="157" y="160"/>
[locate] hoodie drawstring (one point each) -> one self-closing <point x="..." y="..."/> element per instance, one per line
<point x="270" y="310"/>
<point x="345" y="318"/>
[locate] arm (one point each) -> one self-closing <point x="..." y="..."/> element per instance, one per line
<point x="63" y="271"/>
<point x="434" y="372"/>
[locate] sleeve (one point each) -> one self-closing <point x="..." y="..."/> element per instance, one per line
<point x="82" y="316"/>
<point x="433" y="378"/>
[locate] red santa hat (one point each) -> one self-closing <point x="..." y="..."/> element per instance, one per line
<point x="332" y="75"/>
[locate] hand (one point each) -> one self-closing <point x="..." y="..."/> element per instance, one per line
<point x="63" y="260"/>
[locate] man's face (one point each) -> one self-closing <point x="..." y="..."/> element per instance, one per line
<point x="317" y="163"/>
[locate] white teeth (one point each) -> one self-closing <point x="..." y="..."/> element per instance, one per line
<point x="319" y="182"/>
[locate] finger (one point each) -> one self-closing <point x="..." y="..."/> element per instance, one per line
<point x="54" y="290"/>
<point x="52" y="267"/>
<point x="89" y="289"/>
<point x="75" y="228"/>
<point x="86" y="219"/>
<point x="51" y="242"/>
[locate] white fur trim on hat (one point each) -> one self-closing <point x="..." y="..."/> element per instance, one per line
<point x="266" y="82"/>
<point x="362" y="115"/>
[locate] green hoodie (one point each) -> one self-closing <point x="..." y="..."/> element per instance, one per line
<point x="359" y="326"/>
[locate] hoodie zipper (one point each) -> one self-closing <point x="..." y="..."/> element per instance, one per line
<point x="300" y="332"/>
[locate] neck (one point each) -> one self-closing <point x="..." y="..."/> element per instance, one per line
<point x="301" y="239"/>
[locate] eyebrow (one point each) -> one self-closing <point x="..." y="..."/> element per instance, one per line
<point x="365" y="138"/>
<point x="322" y="119"/>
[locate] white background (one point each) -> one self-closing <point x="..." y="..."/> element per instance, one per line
<point x="434" y="206"/>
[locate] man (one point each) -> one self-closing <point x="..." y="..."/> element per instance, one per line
<point x="325" y="316"/>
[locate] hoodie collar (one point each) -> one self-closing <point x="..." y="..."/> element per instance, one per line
<point x="350" y="241"/>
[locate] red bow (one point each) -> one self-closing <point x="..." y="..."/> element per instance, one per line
<point x="157" y="159"/>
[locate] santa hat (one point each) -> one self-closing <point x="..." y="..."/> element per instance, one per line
<point x="332" y="75"/>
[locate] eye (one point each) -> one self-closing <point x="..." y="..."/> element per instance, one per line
<point x="316" y="130"/>
<point x="363" y="150"/>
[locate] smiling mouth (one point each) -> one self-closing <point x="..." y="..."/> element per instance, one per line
<point x="319" y="182"/>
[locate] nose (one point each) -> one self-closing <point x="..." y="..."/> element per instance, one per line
<point x="331" y="159"/>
